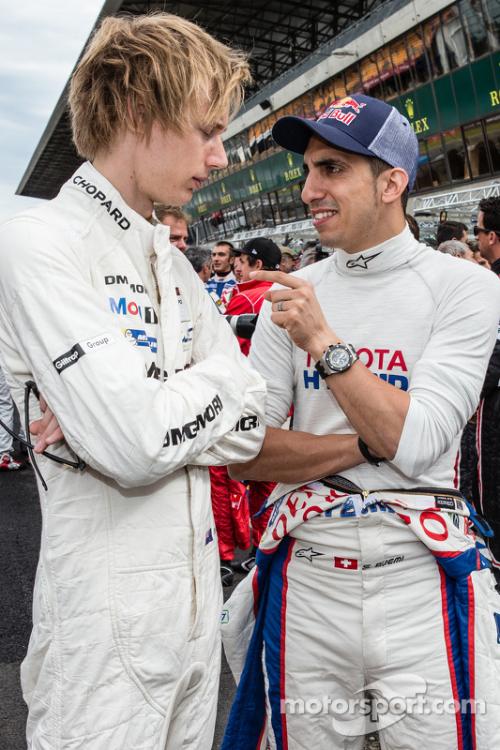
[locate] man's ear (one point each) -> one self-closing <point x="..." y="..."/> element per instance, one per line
<point x="136" y="114"/>
<point x="258" y="265"/>
<point x="393" y="183"/>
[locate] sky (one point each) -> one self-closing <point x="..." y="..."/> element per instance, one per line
<point x="40" y="41"/>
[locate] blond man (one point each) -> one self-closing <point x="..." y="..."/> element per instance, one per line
<point x="176" y="219"/>
<point x="148" y="385"/>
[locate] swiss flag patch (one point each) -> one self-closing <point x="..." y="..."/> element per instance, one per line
<point x="346" y="563"/>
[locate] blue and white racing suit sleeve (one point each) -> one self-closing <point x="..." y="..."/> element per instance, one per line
<point x="125" y="425"/>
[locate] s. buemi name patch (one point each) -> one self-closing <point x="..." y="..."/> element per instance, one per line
<point x="87" y="346"/>
<point x="446" y="503"/>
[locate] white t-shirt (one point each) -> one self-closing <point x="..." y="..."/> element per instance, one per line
<point x="421" y="320"/>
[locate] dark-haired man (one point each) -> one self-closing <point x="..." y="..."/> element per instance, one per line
<point x="201" y="260"/>
<point x="259" y="254"/>
<point x="451" y="230"/>
<point x="368" y="579"/>
<point x="487" y="233"/>
<point x="220" y="284"/>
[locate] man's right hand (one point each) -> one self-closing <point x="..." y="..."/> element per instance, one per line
<point x="46" y="429"/>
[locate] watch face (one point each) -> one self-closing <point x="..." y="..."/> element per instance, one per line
<point x="338" y="358"/>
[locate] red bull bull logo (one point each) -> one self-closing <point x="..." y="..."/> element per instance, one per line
<point x="337" y="110"/>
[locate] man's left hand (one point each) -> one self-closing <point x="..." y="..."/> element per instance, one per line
<point x="46" y="429"/>
<point x="297" y="310"/>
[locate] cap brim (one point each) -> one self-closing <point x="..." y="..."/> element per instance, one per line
<point x="293" y="133"/>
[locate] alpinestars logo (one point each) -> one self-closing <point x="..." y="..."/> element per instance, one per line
<point x="178" y="435"/>
<point x="362" y="261"/>
<point x="309" y="553"/>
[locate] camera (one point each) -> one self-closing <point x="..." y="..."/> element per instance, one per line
<point x="243" y="325"/>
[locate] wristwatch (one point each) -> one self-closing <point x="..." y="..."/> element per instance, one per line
<point x="336" y="359"/>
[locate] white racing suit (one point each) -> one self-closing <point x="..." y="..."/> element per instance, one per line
<point x="6" y="415"/>
<point x="281" y="637"/>
<point x="105" y="316"/>
<point x="381" y="588"/>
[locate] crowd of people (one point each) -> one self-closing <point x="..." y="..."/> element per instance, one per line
<point x="327" y="444"/>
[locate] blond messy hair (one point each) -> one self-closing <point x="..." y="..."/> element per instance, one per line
<point x="162" y="210"/>
<point x="156" y="67"/>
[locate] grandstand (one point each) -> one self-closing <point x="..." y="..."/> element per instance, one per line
<point x="437" y="62"/>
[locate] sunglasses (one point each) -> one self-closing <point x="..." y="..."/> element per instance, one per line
<point x="29" y="388"/>
<point x="477" y="230"/>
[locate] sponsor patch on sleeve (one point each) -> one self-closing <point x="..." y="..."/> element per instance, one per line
<point x="87" y="346"/>
<point x="447" y="503"/>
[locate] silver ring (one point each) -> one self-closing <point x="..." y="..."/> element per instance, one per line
<point x="279" y="306"/>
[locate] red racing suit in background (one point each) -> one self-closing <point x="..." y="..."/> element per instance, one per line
<point x="230" y="511"/>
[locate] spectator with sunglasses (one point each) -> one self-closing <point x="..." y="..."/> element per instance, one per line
<point x="487" y="232"/>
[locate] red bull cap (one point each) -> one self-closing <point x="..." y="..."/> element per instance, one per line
<point x="359" y="124"/>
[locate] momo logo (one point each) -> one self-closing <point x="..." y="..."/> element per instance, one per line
<point x="68" y="358"/>
<point x="100" y="197"/>
<point x="247" y="423"/>
<point x="178" y="435"/>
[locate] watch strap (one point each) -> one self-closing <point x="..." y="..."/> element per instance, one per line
<point x="368" y="455"/>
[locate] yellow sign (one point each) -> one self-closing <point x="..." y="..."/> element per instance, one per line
<point x="254" y="189"/>
<point x="289" y="159"/>
<point x="292" y="174"/>
<point x="410" y="108"/>
<point x="420" y="126"/>
<point x="226" y="198"/>
<point x="495" y="98"/>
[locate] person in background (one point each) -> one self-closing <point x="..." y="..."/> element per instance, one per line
<point x="201" y="259"/>
<point x="477" y="255"/>
<point x="259" y="254"/>
<point x="223" y="278"/>
<point x="231" y="511"/>
<point x="451" y="230"/>
<point x="289" y="259"/>
<point x="248" y="294"/>
<point x="458" y="249"/>
<point x="7" y="460"/>
<point x="312" y="253"/>
<point x="175" y="218"/>
<point x="487" y="233"/>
